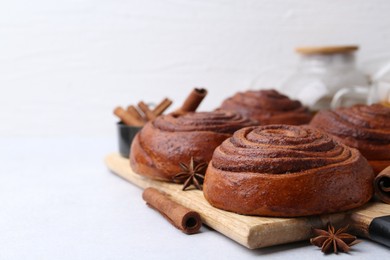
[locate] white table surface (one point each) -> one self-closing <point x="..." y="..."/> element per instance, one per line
<point x="59" y="201"/>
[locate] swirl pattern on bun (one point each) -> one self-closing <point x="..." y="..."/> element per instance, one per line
<point x="286" y="171"/>
<point x="268" y="107"/>
<point x="170" y="139"/>
<point x="366" y="128"/>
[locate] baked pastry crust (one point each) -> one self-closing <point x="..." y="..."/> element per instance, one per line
<point x="163" y="143"/>
<point x="286" y="171"/>
<point x="366" y="128"/>
<point x="268" y="107"/>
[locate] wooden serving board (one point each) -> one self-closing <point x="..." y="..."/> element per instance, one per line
<point x="250" y="231"/>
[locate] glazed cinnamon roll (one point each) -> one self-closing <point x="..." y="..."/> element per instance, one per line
<point x="171" y="139"/>
<point x="268" y="107"/>
<point x="286" y="171"/>
<point x="366" y="128"/>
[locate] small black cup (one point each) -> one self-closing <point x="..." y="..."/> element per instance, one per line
<point x="126" y="135"/>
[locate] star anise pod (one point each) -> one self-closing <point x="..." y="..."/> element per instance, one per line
<point x="338" y="241"/>
<point x="191" y="174"/>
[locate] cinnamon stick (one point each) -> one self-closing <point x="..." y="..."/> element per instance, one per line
<point x="193" y="100"/>
<point x="148" y="113"/>
<point x="181" y="217"/>
<point x="382" y="185"/>
<point x="127" y="118"/>
<point x="135" y="113"/>
<point x="160" y="108"/>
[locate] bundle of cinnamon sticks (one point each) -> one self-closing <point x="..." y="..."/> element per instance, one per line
<point x="138" y="116"/>
<point x="141" y="114"/>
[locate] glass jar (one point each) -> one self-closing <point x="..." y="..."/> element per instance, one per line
<point x="322" y="72"/>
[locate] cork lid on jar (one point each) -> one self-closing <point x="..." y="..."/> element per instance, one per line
<point x="308" y="50"/>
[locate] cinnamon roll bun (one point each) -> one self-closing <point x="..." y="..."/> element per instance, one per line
<point x="171" y="139"/>
<point x="286" y="171"/>
<point x="268" y="107"/>
<point x="366" y="128"/>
